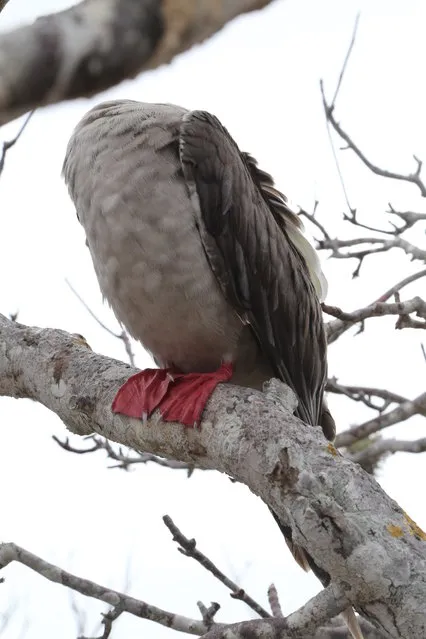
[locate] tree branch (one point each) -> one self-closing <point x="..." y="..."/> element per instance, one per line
<point x="125" y="460"/>
<point x="188" y="547"/>
<point x="365" y="395"/>
<point x="98" y="43"/>
<point x="382" y="245"/>
<point x="384" y="447"/>
<point x="413" y="178"/>
<point x="10" y="143"/>
<point x="11" y="552"/>
<point x="399" y="414"/>
<point x="338" y="513"/>
<point x="301" y="624"/>
<point x="344" y="320"/>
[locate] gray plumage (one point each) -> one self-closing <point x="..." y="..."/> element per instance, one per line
<point x="198" y="254"/>
<point x="159" y="255"/>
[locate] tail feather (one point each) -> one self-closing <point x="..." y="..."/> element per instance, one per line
<point x="351" y="621"/>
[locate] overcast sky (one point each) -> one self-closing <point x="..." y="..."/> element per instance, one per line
<point x="260" y="75"/>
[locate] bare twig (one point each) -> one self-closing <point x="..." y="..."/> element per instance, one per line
<point x="378" y="309"/>
<point x="365" y="394"/>
<point x="313" y="219"/>
<point x="274" y="601"/>
<point x="413" y="178"/>
<point x="10" y="552"/>
<point x="209" y="613"/>
<point x="382" y="245"/>
<point x="410" y="218"/>
<point x="346" y="60"/>
<point x="352" y="217"/>
<point x="352" y="211"/>
<point x="383" y="447"/>
<point x="8" y="145"/>
<point x="188" y="548"/>
<point x="108" y="619"/>
<point x="400" y="285"/>
<point x="122" y="336"/>
<point x="399" y="414"/>
<point x="79" y="613"/>
<point x="301" y="624"/>
<point x="125" y="458"/>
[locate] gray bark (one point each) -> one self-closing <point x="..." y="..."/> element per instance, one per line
<point x="374" y="553"/>
<point x="98" y="43"/>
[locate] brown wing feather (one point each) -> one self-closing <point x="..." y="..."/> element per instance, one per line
<point x="242" y="224"/>
<point x="262" y="274"/>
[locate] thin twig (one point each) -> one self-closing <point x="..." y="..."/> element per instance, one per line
<point x="124" y="458"/>
<point x="344" y="321"/>
<point x="108" y="619"/>
<point x="209" y="613"/>
<point x="378" y="309"/>
<point x="274" y="601"/>
<point x="188" y="548"/>
<point x="121" y="336"/>
<point x="335" y="244"/>
<point x="399" y="414"/>
<point x="346" y="60"/>
<point x="413" y="178"/>
<point x="400" y="285"/>
<point x="352" y="211"/>
<point x="410" y="218"/>
<point x="8" y="145"/>
<point x="313" y="219"/>
<point x="385" y="447"/>
<point x="365" y="394"/>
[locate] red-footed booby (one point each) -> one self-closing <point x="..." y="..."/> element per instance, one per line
<point x="202" y="260"/>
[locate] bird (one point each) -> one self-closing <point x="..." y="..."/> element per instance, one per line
<point x="203" y="261"/>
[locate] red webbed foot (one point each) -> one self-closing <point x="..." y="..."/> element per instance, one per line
<point x="180" y="397"/>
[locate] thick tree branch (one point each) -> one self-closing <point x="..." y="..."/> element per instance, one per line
<point x="338" y="513"/>
<point x="98" y="43"/>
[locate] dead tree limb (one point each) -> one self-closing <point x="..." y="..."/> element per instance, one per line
<point x="374" y="553"/>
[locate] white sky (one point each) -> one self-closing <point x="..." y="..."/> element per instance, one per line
<point x="260" y="76"/>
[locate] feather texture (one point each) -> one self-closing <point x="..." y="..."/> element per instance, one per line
<point x="199" y="254"/>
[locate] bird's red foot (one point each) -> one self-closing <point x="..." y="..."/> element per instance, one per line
<point x="180" y="397"/>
